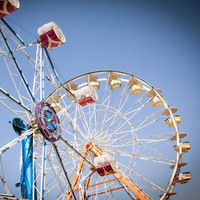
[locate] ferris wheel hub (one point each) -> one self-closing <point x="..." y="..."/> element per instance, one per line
<point x="47" y="121"/>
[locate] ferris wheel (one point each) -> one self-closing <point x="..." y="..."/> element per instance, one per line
<point x="99" y="135"/>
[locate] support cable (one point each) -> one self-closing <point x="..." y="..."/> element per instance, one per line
<point x="70" y="146"/>
<point x="15" y="34"/>
<point x="55" y="73"/>
<point x="64" y="171"/>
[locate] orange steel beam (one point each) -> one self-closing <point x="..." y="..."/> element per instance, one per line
<point x="106" y="191"/>
<point x="125" y="180"/>
<point x="134" y="188"/>
<point x="99" y="184"/>
<point x="80" y="166"/>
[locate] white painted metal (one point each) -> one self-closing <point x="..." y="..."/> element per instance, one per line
<point x="16" y="141"/>
<point x="86" y="126"/>
<point x="119" y="122"/>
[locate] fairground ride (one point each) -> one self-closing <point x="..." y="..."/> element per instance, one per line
<point x="100" y="135"/>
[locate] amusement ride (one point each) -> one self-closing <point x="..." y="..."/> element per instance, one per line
<point x="100" y="135"/>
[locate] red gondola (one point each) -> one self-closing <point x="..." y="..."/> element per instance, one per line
<point x="51" y="35"/>
<point x="8" y="6"/>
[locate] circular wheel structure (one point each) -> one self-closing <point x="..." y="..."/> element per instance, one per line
<point x="130" y="120"/>
<point x="100" y="135"/>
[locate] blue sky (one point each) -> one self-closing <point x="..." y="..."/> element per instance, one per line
<point x="158" y="41"/>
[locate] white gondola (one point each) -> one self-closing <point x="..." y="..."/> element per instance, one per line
<point x="136" y="89"/>
<point x="106" y="164"/>
<point x="152" y="93"/>
<point x="181" y="164"/>
<point x="181" y="135"/>
<point x="95" y="84"/>
<point x="115" y="84"/>
<point x="72" y="87"/>
<point x="133" y="81"/>
<point x="93" y="81"/>
<point x="51" y="35"/>
<point x="183" y="177"/>
<point x="156" y="102"/>
<point x="169" y="121"/>
<point x="184" y="146"/>
<point x="86" y="95"/>
<point x="114" y="81"/>
<point x="166" y="112"/>
<point x="8" y="6"/>
<point x="55" y="103"/>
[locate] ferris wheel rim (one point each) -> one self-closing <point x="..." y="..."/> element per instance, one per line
<point x="178" y="157"/>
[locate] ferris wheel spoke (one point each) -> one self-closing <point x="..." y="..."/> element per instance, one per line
<point x="57" y="175"/>
<point x="144" y="146"/>
<point x="84" y="121"/>
<point x="162" y="160"/>
<point x="77" y="152"/>
<point x="103" y="109"/>
<point x="120" y="127"/>
<point x="123" y="98"/>
<point x="92" y="119"/>
<point x="115" y="120"/>
<point x="103" y="101"/>
<point x="76" y="128"/>
<point x="133" y="112"/>
<point x="144" y="138"/>
<point x="107" y="114"/>
<point x="77" y="133"/>
<point x="142" y="177"/>
<point x="139" y="127"/>
<point x="108" y="190"/>
<point x="131" y="144"/>
<point x="72" y="119"/>
<point x="148" y="118"/>
<point x="154" y="150"/>
<point x="139" y="140"/>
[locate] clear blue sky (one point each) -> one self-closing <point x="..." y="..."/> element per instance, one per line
<point x="158" y="41"/>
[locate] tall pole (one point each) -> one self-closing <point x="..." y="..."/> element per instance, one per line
<point x="44" y="142"/>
